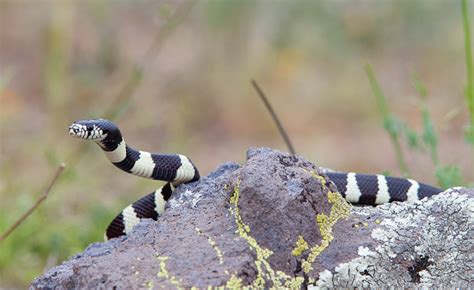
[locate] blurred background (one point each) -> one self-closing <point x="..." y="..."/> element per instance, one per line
<point x="175" y="76"/>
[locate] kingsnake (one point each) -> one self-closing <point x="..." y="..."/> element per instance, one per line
<point x="177" y="169"/>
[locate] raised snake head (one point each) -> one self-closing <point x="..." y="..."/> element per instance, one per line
<point x="96" y="130"/>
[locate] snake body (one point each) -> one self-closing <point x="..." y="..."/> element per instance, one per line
<point x="174" y="168"/>
<point x="177" y="169"/>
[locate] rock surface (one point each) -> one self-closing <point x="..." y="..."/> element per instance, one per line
<point x="278" y="221"/>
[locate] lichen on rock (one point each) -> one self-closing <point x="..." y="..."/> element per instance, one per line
<point x="277" y="221"/>
<point x="420" y="244"/>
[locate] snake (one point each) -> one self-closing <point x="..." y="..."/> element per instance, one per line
<point x="176" y="169"/>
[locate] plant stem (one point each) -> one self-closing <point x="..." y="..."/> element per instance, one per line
<point x="35" y="206"/>
<point x="470" y="76"/>
<point x="390" y="123"/>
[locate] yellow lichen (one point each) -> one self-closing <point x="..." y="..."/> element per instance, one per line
<point x="378" y="221"/>
<point x="234" y="283"/>
<point x="279" y="279"/>
<point x="213" y="244"/>
<point x="164" y="273"/>
<point x="264" y="270"/>
<point x="300" y="247"/>
<point x="339" y="210"/>
<point x="294" y="283"/>
<point x="149" y="285"/>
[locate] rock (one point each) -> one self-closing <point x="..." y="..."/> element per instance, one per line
<point x="423" y="244"/>
<point x="278" y="221"/>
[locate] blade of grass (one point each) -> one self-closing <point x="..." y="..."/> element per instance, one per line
<point x="470" y="76"/>
<point x="391" y="125"/>
<point x="275" y="118"/>
<point x="35" y="205"/>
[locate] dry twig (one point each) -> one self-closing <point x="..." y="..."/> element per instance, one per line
<point x="37" y="203"/>
<point x="274" y="116"/>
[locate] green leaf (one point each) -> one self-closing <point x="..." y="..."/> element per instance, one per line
<point x="469" y="135"/>
<point x="419" y="86"/>
<point x="412" y="138"/>
<point x="448" y="176"/>
<point x="429" y="135"/>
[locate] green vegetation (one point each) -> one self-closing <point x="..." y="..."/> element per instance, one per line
<point x="427" y="140"/>
<point x="38" y="245"/>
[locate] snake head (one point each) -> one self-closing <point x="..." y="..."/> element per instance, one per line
<point x="96" y="130"/>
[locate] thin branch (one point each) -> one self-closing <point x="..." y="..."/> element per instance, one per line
<point x="274" y="117"/>
<point x="37" y="203"/>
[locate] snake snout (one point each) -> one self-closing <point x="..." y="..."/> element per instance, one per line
<point x="75" y="130"/>
<point x="87" y="130"/>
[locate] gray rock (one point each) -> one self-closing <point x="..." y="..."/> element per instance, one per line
<point x="277" y="221"/>
<point x="423" y="244"/>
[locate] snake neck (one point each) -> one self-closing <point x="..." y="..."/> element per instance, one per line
<point x="174" y="168"/>
<point x="114" y="147"/>
<point x="112" y="141"/>
<point x="116" y="150"/>
<point x="126" y="157"/>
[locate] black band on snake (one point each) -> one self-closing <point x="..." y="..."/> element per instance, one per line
<point x="177" y="169"/>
